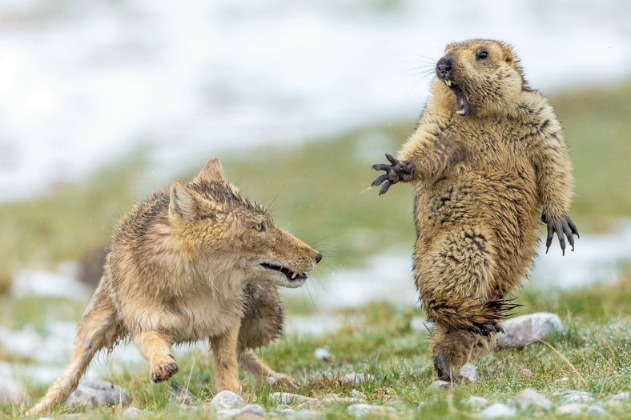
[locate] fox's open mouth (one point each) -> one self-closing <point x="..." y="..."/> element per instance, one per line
<point x="462" y="105"/>
<point x="291" y="275"/>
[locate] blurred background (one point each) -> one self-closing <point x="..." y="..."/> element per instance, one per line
<point x="103" y="101"/>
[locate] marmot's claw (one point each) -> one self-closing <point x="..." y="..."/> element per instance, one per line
<point x="396" y="171"/>
<point x="486" y="329"/>
<point x="564" y="227"/>
<point x="385" y="187"/>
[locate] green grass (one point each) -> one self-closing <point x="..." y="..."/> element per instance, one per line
<point x="318" y="191"/>
<point x="594" y="353"/>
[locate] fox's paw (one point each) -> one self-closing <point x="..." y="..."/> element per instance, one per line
<point x="282" y="381"/>
<point x="163" y="370"/>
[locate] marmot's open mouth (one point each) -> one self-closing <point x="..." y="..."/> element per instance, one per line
<point x="462" y="105"/>
<point x="291" y="275"/>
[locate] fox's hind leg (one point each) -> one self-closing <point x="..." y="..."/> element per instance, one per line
<point x="261" y="323"/>
<point x="97" y="329"/>
<point x="156" y="348"/>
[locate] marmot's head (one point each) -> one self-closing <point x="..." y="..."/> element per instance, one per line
<point x="479" y="77"/>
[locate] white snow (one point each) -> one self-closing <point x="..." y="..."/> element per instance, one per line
<point x="85" y="82"/>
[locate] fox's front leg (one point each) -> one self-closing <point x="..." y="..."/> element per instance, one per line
<point x="156" y="348"/>
<point x="224" y="349"/>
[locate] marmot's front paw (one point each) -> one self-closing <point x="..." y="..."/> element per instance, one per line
<point x="564" y="227"/>
<point x="395" y="172"/>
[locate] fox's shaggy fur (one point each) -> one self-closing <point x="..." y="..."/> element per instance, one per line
<point x="194" y="262"/>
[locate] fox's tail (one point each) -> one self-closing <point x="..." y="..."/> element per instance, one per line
<point x="475" y="315"/>
<point x="97" y="329"/>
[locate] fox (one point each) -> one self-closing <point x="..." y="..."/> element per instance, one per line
<point x="196" y="261"/>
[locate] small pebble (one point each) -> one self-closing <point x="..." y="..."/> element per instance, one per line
<point x="497" y="410"/>
<point x="468" y="372"/>
<point x="571" y="408"/>
<point x="594" y="410"/>
<point x="322" y="354"/>
<point x="476" y="402"/>
<point x="439" y="385"/>
<point x="365" y="410"/>
<point x="92" y="393"/>
<point x="523" y="330"/>
<point x="226" y="400"/>
<point x="531" y="398"/>
<point x="356" y="378"/>
<point x="294" y="399"/>
<point x="253" y="409"/>
<point x="526" y="373"/>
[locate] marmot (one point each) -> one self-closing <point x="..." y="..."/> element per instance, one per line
<point x="486" y="159"/>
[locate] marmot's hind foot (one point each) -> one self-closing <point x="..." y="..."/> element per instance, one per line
<point x="443" y="369"/>
<point x="486" y="329"/>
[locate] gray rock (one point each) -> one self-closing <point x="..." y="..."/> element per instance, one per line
<point x="134" y="412"/>
<point x="571" y="408"/>
<point x="523" y="330"/>
<point x="468" y="372"/>
<point x="226" y="400"/>
<point x="476" y="402"/>
<point x="497" y="410"/>
<point x="322" y="354"/>
<point x="621" y="396"/>
<point x="11" y="392"/>
<point x="594" y="410"/>
<point x="356" y="378"/>
<point x="358" y="394"/>
<point x="439" y="385"/>
<point x="531" y="398"/>
<point x="572" y="396"/>
<point x="294" y="399"/>
<point x="336" y="399"/>
<point x="91" y="393"/>
<point x="253" y="409"/>
<point x="227" y="413"/>
<point x="306" y="414"/>
<point x="180" y="395"/>
<point x="365" y="410"/>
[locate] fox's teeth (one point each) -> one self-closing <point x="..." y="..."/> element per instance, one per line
<point x="448" y="82"/>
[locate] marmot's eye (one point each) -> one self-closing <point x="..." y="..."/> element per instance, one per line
<point x="482" y="54"/>
<point x="259" y="227"/>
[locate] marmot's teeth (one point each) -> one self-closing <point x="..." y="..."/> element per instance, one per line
<point x="460" y="112"/>
<point x="448" y="82"/>
<point x="293" y="276"/>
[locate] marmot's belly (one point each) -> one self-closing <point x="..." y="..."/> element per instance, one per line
<point x="499" y="203"/>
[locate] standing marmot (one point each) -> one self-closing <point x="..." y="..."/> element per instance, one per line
<point x="487" y="156"/>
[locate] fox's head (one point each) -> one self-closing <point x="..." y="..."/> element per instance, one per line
<point x="214" y="222"/>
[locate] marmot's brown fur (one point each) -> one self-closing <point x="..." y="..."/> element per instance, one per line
<point x="486" y="160"/>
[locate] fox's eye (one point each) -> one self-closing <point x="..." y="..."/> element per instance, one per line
<point x="259" y="227"/>
<point x="482" y="54"/>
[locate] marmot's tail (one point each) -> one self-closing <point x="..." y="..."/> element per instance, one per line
<point x="97" y="329"/>
<point x="482" y="317"/>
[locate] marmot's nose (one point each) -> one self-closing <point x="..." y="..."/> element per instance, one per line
<point x="318" y="257"/>
<point x="444" y="66"/>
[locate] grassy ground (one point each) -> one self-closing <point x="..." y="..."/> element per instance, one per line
<point x="317" y="191"/>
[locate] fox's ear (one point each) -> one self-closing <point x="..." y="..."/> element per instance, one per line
<point x="184" y="202"/>
<point x="211" y="172"/>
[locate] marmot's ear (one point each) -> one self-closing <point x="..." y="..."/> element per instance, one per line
<point x="184" y="202"/>
<point x="211" y="172"/>
<point x="509" y="55"/>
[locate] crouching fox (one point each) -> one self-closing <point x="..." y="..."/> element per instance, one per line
<point x="196" y="261"/>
